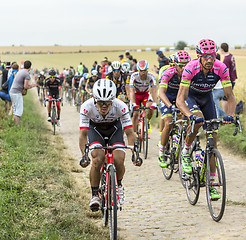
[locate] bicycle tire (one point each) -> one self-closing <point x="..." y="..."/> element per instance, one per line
<point x="104" y="208"/>
<point x="192" y="183"/>
<point x="139" y="140"/>
<point x="145" y="137"/>
<point x="168" y="171"/>
<point x="53" y="117"/>
<point x="216" y="208"/>
<point x="112" y="203"/>
<point x="181" y="171"/>
<point x="78" y="100"/>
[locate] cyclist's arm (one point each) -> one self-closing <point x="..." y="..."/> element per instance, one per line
<point x="154" y="94"/>
<point x="131" y="137"/>
<point x="231" y="101"/>
<point x="182" y="96"/>
<point x="46" y="93"/>
<point x="86" y="88"/>
<point x="83" y="139"/>
<point x="163" y="96"/>
<point x="60" y="91"/>
<point x="73" y="83"/>
<point x="132" y="95"/>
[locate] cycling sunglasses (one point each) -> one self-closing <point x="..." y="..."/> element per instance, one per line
<point x="52" y="76"/>
<point x="181" y="65"/>
<point x="116" y="70"/>
<point x="106" y="103"/>
<point x="212" y="56"/>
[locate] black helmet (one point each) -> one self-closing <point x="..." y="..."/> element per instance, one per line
<point x="52" y="73"/>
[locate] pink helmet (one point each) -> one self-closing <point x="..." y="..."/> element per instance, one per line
<point x="182" y="57"/>
<point x="206" y="46"/>
<point x="142" y="65"/>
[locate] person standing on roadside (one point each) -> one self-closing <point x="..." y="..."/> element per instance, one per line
<point x="80" y="68"/>
<point x="229" y="61"/>
<point x="20" y="83"/>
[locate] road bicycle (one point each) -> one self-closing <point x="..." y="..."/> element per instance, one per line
<point x="174" y="146"/>
<point x="69" y="95"/>
<point x="200" y="176"/>
<point x="108" y="190"/>
<point x="143" y="129"/>
<point x="78" y="100"/>
<point x="53" y="112"/>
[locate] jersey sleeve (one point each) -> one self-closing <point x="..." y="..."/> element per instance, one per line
<point x="124" y="115"/>
<point x="84" y="116"/>
<point x="153" y="80"/>
<point x="187" y="75"/>
<point x="166" y="76"/>
<point x="224" y="76"/>
<point x="132" y="79"/>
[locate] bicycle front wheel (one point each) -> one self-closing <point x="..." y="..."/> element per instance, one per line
<point x="216" y="205"/>
<point x="112" y="203"/>
<point x="145" y="137"/>
<point x="139" y="136"/>
<point x="53" y="117"/>
<point x="104" y="208"/>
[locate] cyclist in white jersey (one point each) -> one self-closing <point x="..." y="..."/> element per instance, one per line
<point x="102" y="120"/>
<point x="140" y="83"/>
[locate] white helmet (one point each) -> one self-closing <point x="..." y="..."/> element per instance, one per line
<point x="78" y="74"/>
<point x="42" y="73"/>
<point x="125" y="67"/>
<point x="94" y="73"/>
<point x="104" y="90"/>
<point x="116" y="65"/>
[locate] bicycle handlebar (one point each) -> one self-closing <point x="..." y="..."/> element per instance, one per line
<point x="144" y="108"/>
<point x="236" y="122"/>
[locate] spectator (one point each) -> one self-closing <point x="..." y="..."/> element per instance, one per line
<point x="218" y="94"/>
<point x="121" y="57"/>
<point x="97" y="67"/>
<point x="4" y="93"/>
<point x="85" y="69"/>
<point x="80" y="68"/>
<point x="229" y="61"/>
<point x="20" y="83"/>
<point x="134" y="65"/>
<point x="104" y="67"/>
<point x="162" y="59"/>
<point x="129" y="59"/>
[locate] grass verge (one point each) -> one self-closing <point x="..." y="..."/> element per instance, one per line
<point x="236" y="143"/>
<point x="38" y="199"/>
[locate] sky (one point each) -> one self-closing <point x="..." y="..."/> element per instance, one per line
<point x="122" y="22"/>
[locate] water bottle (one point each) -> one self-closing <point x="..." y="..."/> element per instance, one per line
<point x="198" y="152"/>
<point x="201" y="158"/>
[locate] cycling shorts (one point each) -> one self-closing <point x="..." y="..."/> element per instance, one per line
<point x="165" y="111"/>
<point x="202" y="103"/>
<point x="57" y="103"/>
<point x="143" y="97"/>
<point x="101" y="134"/>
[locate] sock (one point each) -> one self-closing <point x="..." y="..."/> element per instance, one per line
<point x="94" y="191"/>
<point x="161" y="150"/>
<point x="212" y="177"/>
<point x="48" y="114"/>
<point x="186" y="149"/>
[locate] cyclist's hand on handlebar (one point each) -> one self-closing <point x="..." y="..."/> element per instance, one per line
<point x="47" y="99"/>
<point x="197" y="119"/>
<point x="60" y="99"/>
<point x="84" y="162"/>
<point x="137" y="162"/>
<point x="172" y="108"/>
<point x="134" y="106"/>
<point x="228" y="119"/>
<point x="154" y="105"/>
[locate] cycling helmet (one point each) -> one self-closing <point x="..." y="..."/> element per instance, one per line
<point x="78" y="74"/>
<point x="125" y="67"/>
<point x="142" y="65"/>
<point x="171" y="60"/>
<point x="86" y="75"/>
<point x="104" y="90"/>
<point x="182" y="57"/>
<point x="116" y="65"/>
<point x="206" y="46"/>
<point x="42" y="73"/>
<point x="52" y="73"/>
<point x="94" y="73"/>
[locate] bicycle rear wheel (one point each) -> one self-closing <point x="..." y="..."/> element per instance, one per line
<point x="112" y="203"/>
<point x="145" y="137"/>
<point x="168" y="171"/>
<point x="182" y="174"/>
<point x="192" y="185"/>
<point x="53" y="117"/>
<point x="216" y="207"/>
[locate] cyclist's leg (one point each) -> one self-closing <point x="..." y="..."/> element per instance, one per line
<point x="49" y="108"/>
<point x="138" y="99"/>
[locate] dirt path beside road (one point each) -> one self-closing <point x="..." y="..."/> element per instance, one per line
<point x="158" y="209"/>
